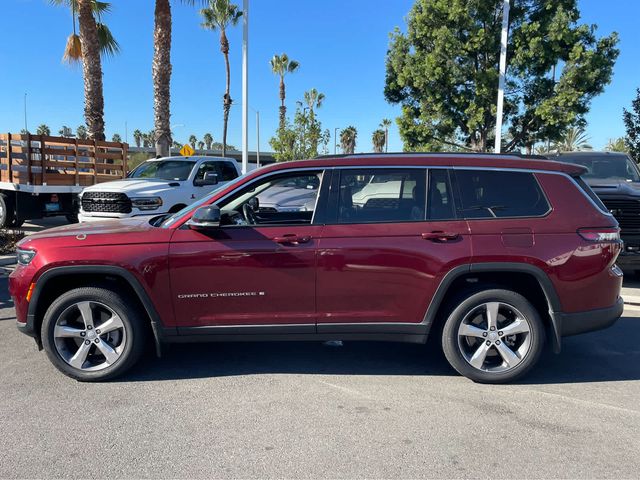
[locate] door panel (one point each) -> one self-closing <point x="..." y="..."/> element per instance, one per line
<point x="384" y="272"/>
<point x="244" y="276"/>
<point x="387" y="272"/>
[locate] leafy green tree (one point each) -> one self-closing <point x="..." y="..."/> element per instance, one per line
<point x="137" y="137"/>
<point x="302" y="139"/>
<point x="281" y="65"/>
<point x="348" y="138"/>
<point x="632" y="125"/>
<point x="313" y="100"/>
<point x="444" y="72"/>
<point x="573" y="140"/>
<point x="378" y="138"/>
<point x="65" y="132"/>
<point x="176" y="145"/>
<point x="208" y="140"/>
<point x="220" y="15"/>
<point x="43" y="130"/>
<point x="81" y="132"/>
<point x="116" y="138"/>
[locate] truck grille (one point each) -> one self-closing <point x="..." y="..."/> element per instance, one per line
<point x="626" y="211"/>
<point x="106" y="202"/>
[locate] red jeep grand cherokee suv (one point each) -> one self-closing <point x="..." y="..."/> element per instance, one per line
<point x="494" y="254"/>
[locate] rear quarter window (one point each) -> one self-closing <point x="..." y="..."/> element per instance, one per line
<point x="500" y="194"/>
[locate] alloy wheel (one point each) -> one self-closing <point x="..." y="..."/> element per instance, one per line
<point x="89" y="336"/>
<point x="494" y="337"/>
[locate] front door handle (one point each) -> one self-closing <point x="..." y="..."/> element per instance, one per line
<point x="440" y="236"/>
<point x="292" y="239"/>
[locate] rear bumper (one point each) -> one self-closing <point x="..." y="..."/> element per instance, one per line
<point x="583" y="322"/>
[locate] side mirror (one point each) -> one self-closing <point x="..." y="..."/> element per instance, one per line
<point x="210" y="178"/>
<point x="205" y="218"/>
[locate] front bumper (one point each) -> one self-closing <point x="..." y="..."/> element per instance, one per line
<point x="583" y="322"/>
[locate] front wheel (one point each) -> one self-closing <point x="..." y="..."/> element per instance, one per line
<point x="93" y="334"/>
<point x="493" y="336"/>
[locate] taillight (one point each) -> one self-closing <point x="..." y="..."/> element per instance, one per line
<point x="600" y="234"/>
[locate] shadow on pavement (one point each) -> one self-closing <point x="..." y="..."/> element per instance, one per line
<point x="5" y="299"/>
<point x="605" y="356"/>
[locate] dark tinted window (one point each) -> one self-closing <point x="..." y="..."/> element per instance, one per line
<point x="487" y="194"/>
<point x="382" y="195"/>
<point x="590" y="193"/>
<point x="440" y="204"/>
<point x="224" y="170"/>
<point x="601" y="166"/>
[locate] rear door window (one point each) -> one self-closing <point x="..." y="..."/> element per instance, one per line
<point x="440" y="204"/>
<point x="500" y="194"/>
<point x="382" y="195"/>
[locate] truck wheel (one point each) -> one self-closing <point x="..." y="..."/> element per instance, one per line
<point x="93" y="334"/>
<point x="493" y="336"/>
<point x="7" y="215"/>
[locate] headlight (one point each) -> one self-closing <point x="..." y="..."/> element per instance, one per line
<point x="146" y="203"/>
<point x="25" y="256"/>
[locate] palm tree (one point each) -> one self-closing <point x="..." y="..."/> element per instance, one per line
<point x="574" y="139"/>
<point x="161" y="73"/>
<point x="378" y="139"/>
<point x="385" y="124"/>
<point x="65" y="132"/>
<point x="137" y="137"/>
<point x="200" y="145"/>
<point x="176" y="145"/>
<point x="208" y="140"/>
<point x="616" y="145"/>
<point x="219" y="15"/>
<point x="43" y="130"/>
<point x="313" y="99"/>
<point x="281" y="65"/>
<point x="348" y="139"/>
<point x="81" y="132"/>
<point x="116" y="138"/>
<point x="95" y="39"/>
<point x="192" y="141"/>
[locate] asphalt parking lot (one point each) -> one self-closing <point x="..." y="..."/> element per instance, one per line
<point x="315" y="411"/>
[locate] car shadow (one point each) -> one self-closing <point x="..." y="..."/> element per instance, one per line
<point x="605" y="356"/>
<point x="5" y="299"/>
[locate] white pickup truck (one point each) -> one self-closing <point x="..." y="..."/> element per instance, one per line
<point x="157" y="186"/>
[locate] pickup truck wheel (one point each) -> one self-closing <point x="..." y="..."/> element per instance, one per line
<point x="93" y="334"/>
<point x="493" y="336"/>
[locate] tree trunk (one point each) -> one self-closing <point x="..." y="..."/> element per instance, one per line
<point x="226" y="99"/>
<point x="283" y="108"/>
<point x="92" y="71"/>
<point x="161" y="71"/>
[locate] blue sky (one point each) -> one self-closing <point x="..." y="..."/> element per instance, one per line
<point x="340" y="45"/>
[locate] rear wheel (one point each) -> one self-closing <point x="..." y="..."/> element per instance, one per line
<point x="493" y="336"/>
<point x="93" y="334"/>
<point x="7" y="215"/>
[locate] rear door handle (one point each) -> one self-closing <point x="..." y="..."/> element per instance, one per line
<point x="292" y="239"/>
<point x="440" y="236"/>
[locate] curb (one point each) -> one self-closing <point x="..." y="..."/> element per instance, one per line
<point x="631" y="300"/>
<point x="6" y="260"/>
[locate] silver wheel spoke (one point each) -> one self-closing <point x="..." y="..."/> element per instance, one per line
<point x="63" y="331"/>
<point x="492" y="315"/>
<point x="86" y="312"/>
<point x="471" y="331"/>
<point x="519" y="325"/>
<point x="80" y="356"/>
<point x="110" y="325"/>
<point x="508" y="355"/>
<point x="477" y="360"/>
<point x="109" y="353"/>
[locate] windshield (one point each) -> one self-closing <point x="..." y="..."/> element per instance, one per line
<point x="167" y="222"/>
<point x="606" y="167"/>
<point x="164" y="170"/>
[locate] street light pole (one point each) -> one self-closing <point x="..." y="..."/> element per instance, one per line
<point x="335" y="140"/>
<point x="245" y="86"/>
<point x="257" y="139"/>
<point x="503" y="71"/>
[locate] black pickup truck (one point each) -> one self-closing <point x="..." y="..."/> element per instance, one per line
<point x="615" y="178"/>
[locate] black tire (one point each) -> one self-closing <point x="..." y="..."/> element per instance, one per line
<point x="6" y="211"/>
<point x="132" y="345"/>
<point x="472" y="305"/>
